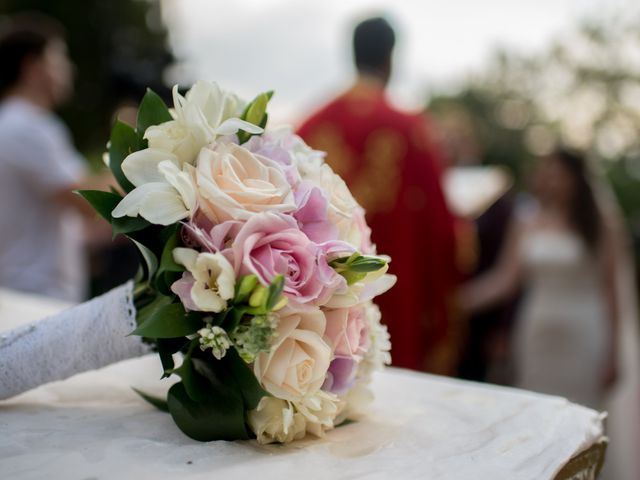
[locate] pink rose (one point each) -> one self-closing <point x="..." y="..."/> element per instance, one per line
<point x="270" y="244"/>
<point x="348" y="331"/>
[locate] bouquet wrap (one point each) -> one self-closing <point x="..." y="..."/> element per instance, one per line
<point x="85" y="337"/>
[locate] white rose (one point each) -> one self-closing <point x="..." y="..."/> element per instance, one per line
<point x="210" y="283"/>
<point x="275" y="420"/>
<point x="297" y="364"/>
<point x="355" y="403"/>
<point x="378" y="354"/>
<point x="233" y="183"/>
<point x="319" y="411"/>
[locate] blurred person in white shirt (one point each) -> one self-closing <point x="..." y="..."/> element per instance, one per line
<point x="41" y="219"/>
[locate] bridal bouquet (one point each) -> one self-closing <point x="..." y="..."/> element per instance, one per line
<point x="258" y="273"/>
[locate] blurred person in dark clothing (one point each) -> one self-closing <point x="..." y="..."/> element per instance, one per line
<point x="41" y="228"/>
<point x="389" y="161"/>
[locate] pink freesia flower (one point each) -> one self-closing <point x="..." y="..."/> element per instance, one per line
<point x="270" y="146"/>
<point x="269" y="244"/>
<point x="312" y="214"/>
<point x="348" y="331"/>
<point x="182" y="288"/>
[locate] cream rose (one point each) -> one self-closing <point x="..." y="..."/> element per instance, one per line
<point x="234" y="184"/>
<point x="342" y="205"/>
<point x="276" y="420"/>
<point x="297" y="364"/>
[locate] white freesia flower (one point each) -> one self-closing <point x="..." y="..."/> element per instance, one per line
<point x="213" y="278"/>
<point x="276" y="420"/>
<point x="163" y="195"/>
<point x="205" y="112"/>
<point x="319" y="410"/>
<point x="373" y="285"/>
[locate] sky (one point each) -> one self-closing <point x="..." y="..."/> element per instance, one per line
<point x="302" y="50"/>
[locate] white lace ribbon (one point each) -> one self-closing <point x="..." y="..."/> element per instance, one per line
<point x="85" y="337"/>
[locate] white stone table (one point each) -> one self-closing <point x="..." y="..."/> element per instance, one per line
<point x="93" y="426"/>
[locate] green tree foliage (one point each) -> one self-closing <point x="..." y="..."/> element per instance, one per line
<point x="583" y="91"/>
<point x="119" y="48"/>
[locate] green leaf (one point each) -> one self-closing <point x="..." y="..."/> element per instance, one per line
<point x="256" y="113"/>
<point x="166" y="348"/>
<point x="159" y="403"/>
<point x="104" y="203"/>
<point x="124" y="140"/>
<point x="169" y="321"/>
<point x="233" y="317"/>
<point x="150" y="259"/>
<point x="194" y="383"/>
<point x="168" y="269"/>
<point x="274" y="292"/>
<point x="152" y="111"/>
<point x="247" y="382"/>
<point x="126" y="225"/>
<point x="219" y="416"/>
<point x="152" y="307"/>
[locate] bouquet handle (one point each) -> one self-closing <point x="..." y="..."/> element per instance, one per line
<point x="85" y="337"/>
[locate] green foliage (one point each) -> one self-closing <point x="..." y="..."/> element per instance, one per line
<point x="159" y="403"/>
<point x="124" y="140"/>
<point x="219" y="416"/>
<point x="104" y="203"/>
<point x="150" y="259"/>
<point x="152" y="111"/>
<point x="210" y="402"/>
<point x="168" y="321"/>
<point x="169" y="271"/>
<point x="356" y="267"/>
<point x="243" y="377"/>
<point x="256" y="113"/>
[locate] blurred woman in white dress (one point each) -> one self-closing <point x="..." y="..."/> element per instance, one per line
<point x="561" y="251"/>
<point x="577" y="323"/>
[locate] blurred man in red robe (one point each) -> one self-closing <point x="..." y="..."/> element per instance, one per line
<point x="389" y="161"/>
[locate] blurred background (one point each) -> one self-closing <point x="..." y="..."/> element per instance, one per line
<point x="503" y="83"/>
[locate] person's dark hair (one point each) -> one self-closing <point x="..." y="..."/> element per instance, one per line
<point x="373" y="42"/>
<point x="24" y="36"/>
<point x="585" y="214"/>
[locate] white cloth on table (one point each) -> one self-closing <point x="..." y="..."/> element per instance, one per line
<point x="420" y="426"/>
<point x="40" y="241"/>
